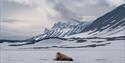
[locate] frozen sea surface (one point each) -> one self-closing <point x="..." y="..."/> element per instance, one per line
<point x="112" y="53"/>
<point x="79" y="56"/>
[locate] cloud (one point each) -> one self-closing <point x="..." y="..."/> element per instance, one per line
<point x="68" y="9"/>
<point x="115" y="2"/>
<point x="42" y="6"/>
<point x="19" y="29"/>
<point x="42" y="13"/>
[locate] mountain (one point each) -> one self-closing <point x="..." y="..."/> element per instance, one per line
<point x="61" y="29"/>
<point x="110" y="24"/>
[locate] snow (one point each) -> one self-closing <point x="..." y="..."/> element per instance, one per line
<point x="113" y="33"/>
<point x="79" y="56"/>
<point x="112" y="53"/>
<point x="120" y="31"/>
<point x="85" y="34"/>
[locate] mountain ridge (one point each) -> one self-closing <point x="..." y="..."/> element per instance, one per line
<point x="108" y="24"/>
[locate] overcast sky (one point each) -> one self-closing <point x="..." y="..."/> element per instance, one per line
<point x="26" y="18"/>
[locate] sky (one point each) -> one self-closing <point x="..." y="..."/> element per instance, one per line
<point x="20" y="19"/>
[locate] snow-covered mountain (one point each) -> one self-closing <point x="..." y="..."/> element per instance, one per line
<point x="110" y="24"/>
<point x="61" y="29"/>
<point x="111" y="21"/>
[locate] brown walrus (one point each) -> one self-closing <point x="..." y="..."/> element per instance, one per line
<point x="62" y="57"/>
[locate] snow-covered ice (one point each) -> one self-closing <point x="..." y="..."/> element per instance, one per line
<point x="113" y="53"/>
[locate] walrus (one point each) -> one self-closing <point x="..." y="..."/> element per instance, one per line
<point x="62" y="57"/>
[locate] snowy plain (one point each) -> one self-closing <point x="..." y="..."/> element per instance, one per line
<point x="111" y="53"/>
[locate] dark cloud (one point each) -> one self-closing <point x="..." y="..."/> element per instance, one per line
<point x="76" y="8"/>
<point x="7" y="8"/>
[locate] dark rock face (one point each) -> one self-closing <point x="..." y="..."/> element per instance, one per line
<point x="62" y="57"/>
<point x="81" y="41"/>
